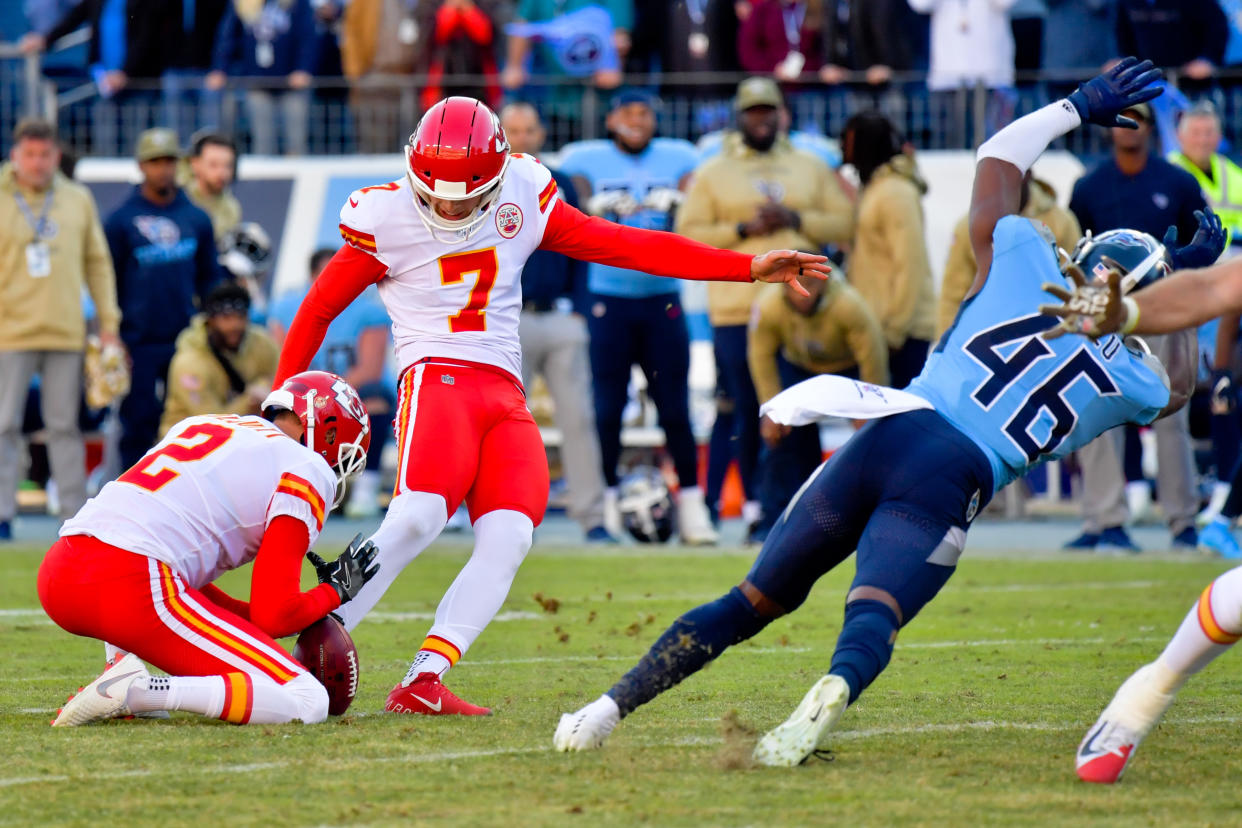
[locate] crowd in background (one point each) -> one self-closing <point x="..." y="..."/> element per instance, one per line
<point x="175" y="274"/>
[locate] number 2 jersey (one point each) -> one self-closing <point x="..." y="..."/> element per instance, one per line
<point x="1022" y="398"/>
<point x="201" y="499"/>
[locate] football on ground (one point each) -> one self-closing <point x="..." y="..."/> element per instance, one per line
<point x="326" y="649"/>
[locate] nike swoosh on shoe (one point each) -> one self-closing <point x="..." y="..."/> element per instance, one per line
<point x="103" y="686"/>
<point x="435" y="708"/>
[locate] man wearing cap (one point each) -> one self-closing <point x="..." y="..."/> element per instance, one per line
<point x="223" y="363"/>
<point x="758" y="192"/>
<point x="637" y="180"/>
<point x="1137" y="189"/>
<point x="164" y="253"/>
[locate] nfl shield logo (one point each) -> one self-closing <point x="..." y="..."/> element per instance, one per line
<point x="508" y="220"/>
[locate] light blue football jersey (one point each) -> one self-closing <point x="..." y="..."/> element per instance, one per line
<point x="662" y="164"/>
<point x="1022" y="398"/>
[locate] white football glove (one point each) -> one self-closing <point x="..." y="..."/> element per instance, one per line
<point x="612" y="202"/>
<point x="663" y="199"/>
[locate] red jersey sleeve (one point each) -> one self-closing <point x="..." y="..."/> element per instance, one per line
<point x="278" y="606"/>
<point x="594" y="239"/>
<point x="347" y="275"/>
<point x="223" y="600"/>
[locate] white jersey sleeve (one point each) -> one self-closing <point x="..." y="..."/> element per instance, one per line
<point x="542" y="184"/>
<point x="361" y="215"/>
<point x="306" y="492"/>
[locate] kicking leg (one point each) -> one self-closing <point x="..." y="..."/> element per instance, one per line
<point x="1210" y="628"/>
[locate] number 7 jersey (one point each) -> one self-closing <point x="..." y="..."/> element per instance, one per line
<point x="1020" y="397"/>
<point x="450" y="296"/>
<point x="201" y="499"/>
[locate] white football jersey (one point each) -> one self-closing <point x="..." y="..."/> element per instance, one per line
<point x="201" y="499"/>
<point x="451" y="296"/>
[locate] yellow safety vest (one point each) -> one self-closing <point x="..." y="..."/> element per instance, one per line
<point x="1223" y="191"/>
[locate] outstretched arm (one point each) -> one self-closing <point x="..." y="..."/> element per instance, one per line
<point x="1005" y="157"/>
<point x="346" y="276"/>
<point x="593" y="239"/>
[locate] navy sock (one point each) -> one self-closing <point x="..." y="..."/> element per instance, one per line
<point x="864" y="645"/>
<point x="693" y="640"/>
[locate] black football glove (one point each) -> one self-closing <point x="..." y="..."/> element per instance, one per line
<point x="350" y="571"/>
<point x="1204" y="247"/>
<point x="1102" y="99"/>
<point x="1224" y="399"/>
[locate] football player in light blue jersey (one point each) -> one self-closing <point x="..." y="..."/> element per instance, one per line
<point x="635" y="318"/>
<point x="995" y="398"/>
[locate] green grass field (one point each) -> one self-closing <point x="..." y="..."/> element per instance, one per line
<point x="975" y="722"/>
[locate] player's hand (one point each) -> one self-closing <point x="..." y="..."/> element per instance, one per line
<point x="1204" y="247"/>
<point x="349" y="572"/>
<point x="787" y="265"/>
<point x="1224" y="398"/>
<point x="777" y="216"/>
<point x="663" y="199"/>
<point x="1102" y="99"/>
<point x="1094" y="310"/>
<point x="612" y="202"/>
<point x="771" y="431"/>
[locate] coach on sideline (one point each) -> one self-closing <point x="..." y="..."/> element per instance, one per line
<point x="51" y="243"/>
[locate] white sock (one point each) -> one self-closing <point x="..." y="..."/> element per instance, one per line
<point x="1211" y="627"/>
<point x="413" y="521"/>
<point x="426" y="662"/>
<point x="501" y="540"/>
<point x="236" y="697"/>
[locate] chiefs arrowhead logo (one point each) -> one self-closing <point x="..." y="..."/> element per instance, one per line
<point x="352" y="203"/>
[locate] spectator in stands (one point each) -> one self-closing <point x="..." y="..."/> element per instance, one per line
<point x="971" y="43"/>
<point x="223" y="363"/>
<point x="1220" y="180"/>
<point x="381" y="41"/>
<point x="793" y="338"/>
<point x="51" y="245"/>
<point x="759" y="194"/>
<point x="884" y="36"/>
<point x="165" y="257"/>
<point x="1188" y="35"/>
<point x="461" y="43"/>
<point x="691" y="35"/>
<point x="554" y="345"/>
<point x="213" y="163"/>
<point x="888" y="264"/>
<point x="636" y="318"/>
<point x="1139" y="190"/>
<point x="189" y="61"/>
<point x="782" y="38"/>
<point x="547" y="39"/>
<point x="128" y="52"/>
<point x="270" y="43"/>
<point x="1076" y="34"/>
<point x="1039" y="202"/>
<point x="354" y="347"/>
<point x="1026" y="20"/>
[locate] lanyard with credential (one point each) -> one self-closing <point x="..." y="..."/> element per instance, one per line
<point x="39" y="225"/>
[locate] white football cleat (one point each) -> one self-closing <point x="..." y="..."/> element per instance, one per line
<point x="105" y="697"/>
<point x="589" y="727"/>
<point x="803" y="732"/>
<point x="694" y="521"/>
<point x="1111" y="742"/>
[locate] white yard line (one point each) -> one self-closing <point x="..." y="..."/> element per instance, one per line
<point x="459" y="755"/>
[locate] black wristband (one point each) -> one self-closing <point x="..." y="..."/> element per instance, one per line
<point x="741" y="230"/>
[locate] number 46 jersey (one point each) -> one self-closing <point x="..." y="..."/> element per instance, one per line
<point x="450" y="296"/>
<point x="1023" y="398"/>
<point x="201" y="499"/>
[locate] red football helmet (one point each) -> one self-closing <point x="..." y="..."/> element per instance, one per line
<point x="334" y="417"/>
<point x="458" y="151"/>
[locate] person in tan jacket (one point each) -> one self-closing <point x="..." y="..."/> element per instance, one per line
<point x="223" y="363"/>
<point x="759" y="193"/>
<point x="1039" y="201"/>
<point x="51" y="245"/>
<point x="793" y="338"/>
<point x="889" y="265"/>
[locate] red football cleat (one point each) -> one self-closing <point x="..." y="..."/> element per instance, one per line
<point x="426" y="695"/>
